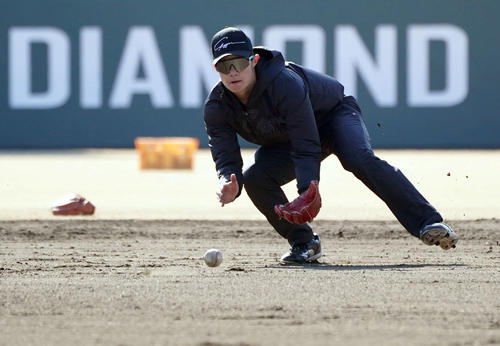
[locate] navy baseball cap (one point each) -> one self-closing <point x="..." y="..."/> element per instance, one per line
<point x="230" y="41"/>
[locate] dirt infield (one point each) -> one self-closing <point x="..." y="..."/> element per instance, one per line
<point x="138" y="282"/>
<point x="133" y="273"/>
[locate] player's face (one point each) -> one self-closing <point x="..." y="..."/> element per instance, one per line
<point x="239" y="80"/>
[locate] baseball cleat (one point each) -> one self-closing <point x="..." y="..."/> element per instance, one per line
<point x="303" y="253"/>
<point x="439" y="234"/>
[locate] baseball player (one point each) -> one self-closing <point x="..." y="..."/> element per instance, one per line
<point x="298" y="117"/>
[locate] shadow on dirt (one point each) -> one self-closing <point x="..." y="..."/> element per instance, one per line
<point x="327" y="266"/>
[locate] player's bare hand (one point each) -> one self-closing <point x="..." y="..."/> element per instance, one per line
<point x="227" y="190"/>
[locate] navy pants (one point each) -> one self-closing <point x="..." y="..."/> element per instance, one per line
<point x="345" y="135"/>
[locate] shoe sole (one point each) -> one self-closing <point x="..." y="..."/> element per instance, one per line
<point x="315" y="257"/>
<point x="309" y="260"/>
<point x="442" y="237"/>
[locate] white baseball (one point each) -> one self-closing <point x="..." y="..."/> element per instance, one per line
<point x="213" y="257"/>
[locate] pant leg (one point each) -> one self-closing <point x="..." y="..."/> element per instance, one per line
<point x="351" y="143"/>
<point x="272" y="169"/>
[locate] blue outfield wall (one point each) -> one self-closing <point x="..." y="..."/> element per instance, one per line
<point x="93" y="73"/>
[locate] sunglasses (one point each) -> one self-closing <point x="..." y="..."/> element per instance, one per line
<point x="239" y="64"/>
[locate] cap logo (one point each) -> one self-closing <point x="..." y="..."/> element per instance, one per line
<point x="220" y="45"/>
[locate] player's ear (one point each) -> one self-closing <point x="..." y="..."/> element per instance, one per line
<point x="256" y="59"/>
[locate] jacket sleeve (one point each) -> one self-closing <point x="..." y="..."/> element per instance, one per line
<point x="223" y="144"/>
<point x="294" y="104"/>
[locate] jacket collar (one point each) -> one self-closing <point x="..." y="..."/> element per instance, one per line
<point x="270" y="65"/>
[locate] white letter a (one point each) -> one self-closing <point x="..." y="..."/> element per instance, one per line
<point x="141" y="48"/>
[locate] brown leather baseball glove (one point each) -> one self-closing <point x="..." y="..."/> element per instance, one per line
<point x="73" y="204"/>
<point x="302" y="209"/>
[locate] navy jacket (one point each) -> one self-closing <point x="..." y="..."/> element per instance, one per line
<point x="287" y="105"/>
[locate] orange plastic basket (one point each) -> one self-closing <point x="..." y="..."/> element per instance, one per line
<point x="166" y="152"/>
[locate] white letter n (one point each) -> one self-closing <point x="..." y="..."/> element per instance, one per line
<point x="196" y="71"/>
<point x="379" y="74"/>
